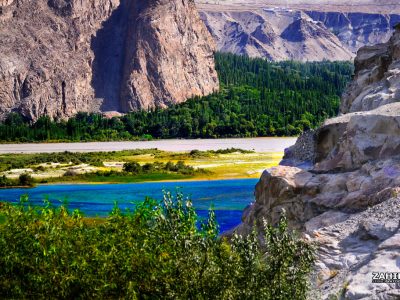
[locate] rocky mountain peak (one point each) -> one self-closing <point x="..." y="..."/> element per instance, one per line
<point x="60" y="57"/>
<point x="277" y="34"/>
<point x="305" y="31"/>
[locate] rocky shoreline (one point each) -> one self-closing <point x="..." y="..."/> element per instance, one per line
<point x="340" y="185"/>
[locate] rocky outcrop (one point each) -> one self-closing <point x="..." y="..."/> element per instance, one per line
<point x="59" y="57"/>
<point x="305" y="35"/>
<point x="377" y="77"/>
<point x="343" y="190"/>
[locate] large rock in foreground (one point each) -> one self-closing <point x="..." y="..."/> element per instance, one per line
<point x="340" y="185"/>
<point x="59" y="57"/>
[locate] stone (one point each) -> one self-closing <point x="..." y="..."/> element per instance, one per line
<point x="169" y="55"/>
<point x="377" y="77"/>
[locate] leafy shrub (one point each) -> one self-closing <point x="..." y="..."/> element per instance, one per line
<point x="39" y="169"/>
<point x="5" y="182"/>
<point x="97" y="163"/>
<point x="132" y="167"/>
<point x="70" y="173"/>
<point x="25" y="180"/>
<point x="158" y="251"/>
<point x="148" y="168"/>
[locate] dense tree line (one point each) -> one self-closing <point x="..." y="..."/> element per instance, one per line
<point x="257" y="98"/>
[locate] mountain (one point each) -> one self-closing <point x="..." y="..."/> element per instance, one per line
<point x="339" y="185"/>
<point x="60" y="57"/>
<point x="298" y="30"/>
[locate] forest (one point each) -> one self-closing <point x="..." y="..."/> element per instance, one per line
<point x="256" y="98"/>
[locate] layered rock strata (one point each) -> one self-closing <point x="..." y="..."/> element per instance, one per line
<point x="59" y="57"/>
<point x="340" y="185"/>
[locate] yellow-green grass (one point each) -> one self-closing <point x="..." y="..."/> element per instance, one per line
<point x="219" y="166"/>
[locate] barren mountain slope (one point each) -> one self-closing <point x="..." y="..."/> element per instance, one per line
<point x="332" y="30"/>
<point x="346" y="6"/>
<point x="59" y="57"/>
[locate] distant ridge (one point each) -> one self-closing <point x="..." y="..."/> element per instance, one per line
<point x="298" y="30"/>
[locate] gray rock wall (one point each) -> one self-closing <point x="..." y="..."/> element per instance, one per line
<point x="59" y="57"/>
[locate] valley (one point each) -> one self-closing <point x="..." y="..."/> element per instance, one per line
<point x="209" y="149"/>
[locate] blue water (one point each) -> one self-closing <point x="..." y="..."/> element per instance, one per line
<point x="228" y="197"/>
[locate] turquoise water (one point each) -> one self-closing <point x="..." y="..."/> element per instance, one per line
<point x="229" y="197"/>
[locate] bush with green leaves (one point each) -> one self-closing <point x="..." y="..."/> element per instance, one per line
<point x="132" y="167"/>
<point x="180" y="167"/>
<point x="26" y="180"/>
<point x="159" y="250"/>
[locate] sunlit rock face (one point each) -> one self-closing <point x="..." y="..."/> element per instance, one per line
<point x="340" y="184"/>
<point x="279" y="33"/>
<point x="169" y="55"/>
<point x="59" y="57"/>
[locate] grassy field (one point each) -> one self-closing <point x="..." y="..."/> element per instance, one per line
<point x="107" y="167"/>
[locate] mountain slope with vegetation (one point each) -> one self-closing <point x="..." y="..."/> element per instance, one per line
<point x="257" y="98"/>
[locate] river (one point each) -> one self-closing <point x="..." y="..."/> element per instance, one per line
<point x="266" y="144"/>
<point x="228" y="197"/>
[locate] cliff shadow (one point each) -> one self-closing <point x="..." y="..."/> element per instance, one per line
<point x="108" y="47"/>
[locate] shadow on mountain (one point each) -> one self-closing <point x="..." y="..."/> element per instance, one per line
<point x="109" y="50"/>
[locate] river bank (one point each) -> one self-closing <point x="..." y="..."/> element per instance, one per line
<point x="263" y="144"/>
<point x="149" y="165"/>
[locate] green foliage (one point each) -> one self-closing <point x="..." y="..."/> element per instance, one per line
<point x="132" y="167"/>
<point x="157" y="251"/>
<point x="25" y="180"/>
<point x="6" y="182"/>
<point x="257" y="98"/>
<point x="180" y="167"/>
<point x="18" y="161"/>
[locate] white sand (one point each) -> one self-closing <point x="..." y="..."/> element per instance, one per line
<point x="256" y="144"/>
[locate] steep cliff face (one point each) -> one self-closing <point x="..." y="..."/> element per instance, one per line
<point x="169" y="56"/>
<point x="60" y="57"/>
<point x="45" y="65"/>
<point x="340" y="185"/>
<point x="279" y="33"/>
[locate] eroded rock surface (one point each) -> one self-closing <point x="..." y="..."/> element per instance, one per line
<point x="169" y="55"/>
<point x="274" y="34"/>
<point x="59" y="57"/>
<point x="377" y="77"/>
<point x="340" y="185"/>
<point x="281" y="32"/>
